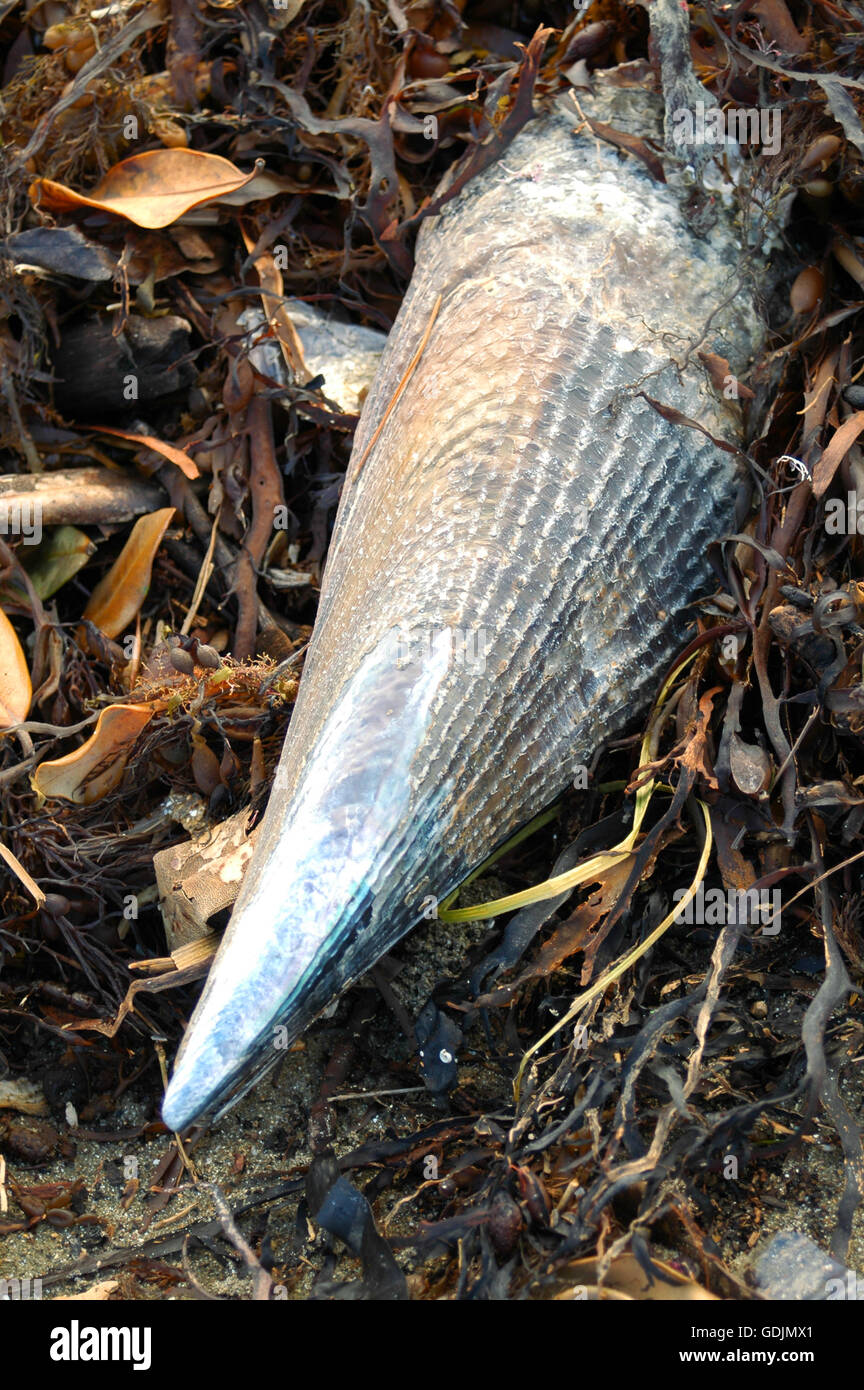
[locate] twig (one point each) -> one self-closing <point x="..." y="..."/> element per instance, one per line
<point x="262" y="1281"/>
<point x="399" y="390"/>
<point x="13" y="863"/>
<point x="265" y="488"/>
<point x="203" y="580"/>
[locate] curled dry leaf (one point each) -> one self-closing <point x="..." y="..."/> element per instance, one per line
<point x="97" y="766"/>
<point x="168" y="451"/>
<point x="16" y="692"/>
<point x="118" y="596"/>
<point x="151" y="189"/>
<point x="835" y="451"/>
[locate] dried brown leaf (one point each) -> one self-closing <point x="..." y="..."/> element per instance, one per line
<point x="838" y="446"/>
<point x="151" y="189"/>
<point x="187" y="465"/>
<point x="119" y="595"/>
<point x="16" y="691"/>
<point x="95" y="769"/>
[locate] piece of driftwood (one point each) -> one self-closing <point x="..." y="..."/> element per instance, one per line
<point x="76" y="497"/>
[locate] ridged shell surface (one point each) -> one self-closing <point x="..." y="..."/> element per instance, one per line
<point x="508" y="570"/>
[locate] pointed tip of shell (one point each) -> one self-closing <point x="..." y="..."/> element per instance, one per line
<point x="181" y="1105"/>
<point x="201" y="1080"/>
<point x="297" y="935"/>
